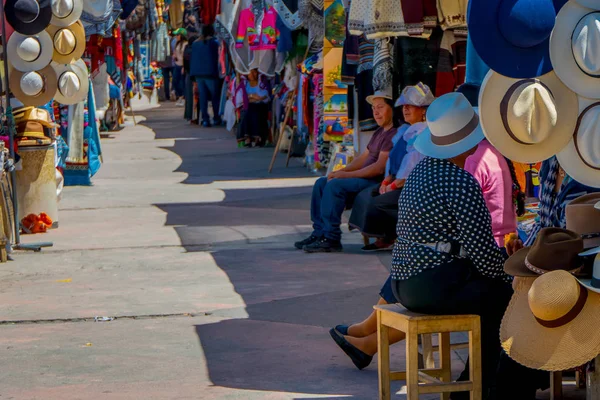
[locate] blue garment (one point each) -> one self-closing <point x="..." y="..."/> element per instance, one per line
<point x="178" y="81"/>
<point x="328" y="202"/>
<point x="285" y="44"/>
<point x="205" y="58"/>
<point x="209" y="89"/>
<point x="397" y="153"/>
<point x="167" y="74"/>
<point x="476" y="68"/>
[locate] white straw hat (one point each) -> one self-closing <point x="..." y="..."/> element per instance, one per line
<point x="34" y="88"/>
<point x="30" y="53"/>
<point x="66" y="12"/>
<point x="73" y="82"/>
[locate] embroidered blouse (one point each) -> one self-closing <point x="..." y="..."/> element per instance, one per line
<point x="268" y="36"/>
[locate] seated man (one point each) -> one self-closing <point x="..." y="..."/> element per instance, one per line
<point x="330" y="194"/>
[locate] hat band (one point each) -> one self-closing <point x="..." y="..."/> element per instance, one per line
<point x="577" y="131"/>
<point x="541" y="271"/>
<point x="595" y="282"/>
<point x="458" y="135"/>
<point x="571" y="315"/>
<point x="505" y="102"/>
<point x="573" y="53"/>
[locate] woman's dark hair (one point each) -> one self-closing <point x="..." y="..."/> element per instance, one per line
<point x="396" y="115"/>
<point x="192" y="39"/>
<point x="207" y="30"/>
<point x="518" y="195"/>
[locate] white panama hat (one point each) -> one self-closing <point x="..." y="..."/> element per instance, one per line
<point x="29" y="53"/>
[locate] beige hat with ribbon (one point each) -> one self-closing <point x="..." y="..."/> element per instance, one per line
<point x="29" y="53"/>
<point x="34" y="88"/>
<point x="73" y="82"/>
<point x="527" y="120"/>
<point x="551" y="323"/>
<point x="66" y="12"/>
<point x="69" y="42"/>
<point x="584" y="218"/>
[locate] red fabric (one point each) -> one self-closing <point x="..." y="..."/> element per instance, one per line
<point x="95" y="51"/>
<point x="208" y="11"/>
<point x="413" y="16"/>
<point x="430" y="13"/>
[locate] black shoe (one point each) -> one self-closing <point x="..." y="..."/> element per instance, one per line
<point x="373" y="247"/>
<point x="361" y="360"/>
<point x="343" y="329"/>
<point x="309" y="240"/>
<point x="206" y="124"/>
<point x="324" y="245"/>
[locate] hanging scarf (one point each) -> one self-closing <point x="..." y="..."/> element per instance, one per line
<point x="289" y="12"/>
<point x="547" y="203"/>
<point x="311" y="12"/>
<point x="382" y="66"/>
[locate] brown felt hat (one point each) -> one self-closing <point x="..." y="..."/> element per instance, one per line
<point x="554" y="249"/>
<point x="584" y="218"/>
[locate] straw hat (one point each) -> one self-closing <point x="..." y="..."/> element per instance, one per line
<point x="573" y="48"/>
<point x="29" y="53"/>
<point x="553" y="249"/>
<point x="28" y="16"/>
<point x="584" y="218"/>
<point x="39" y="115"/>
<point x="66" y="12"/>
<point x="527" y="120"/>
<point x="551" y="323"/>
<point x="73" y="82"/>
<point x="418" y="95"/>
<point x="69" y="42"/>
<point x="452" y="128"/>
<point x="34" y="88"/>
<point x="380" y="94"/>
<point x="580" y="158"/>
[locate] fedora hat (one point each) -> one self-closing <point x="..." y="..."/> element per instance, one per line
<point x="28" y="16"/>
<point x="527" y="120"/>
<point x="34" y="88"/>
<point x="66" y="12"/>
<point x="452" y="128"/>
<point x="554" y="249"/>
<point x="29" y="53"/>
<point x="73" y="82"/>
<point x="418" y="95"/>
<point x="551" y="323"/>
<point x="584" y="218"/>
<point x="380" y="94"/>
<point x="68" y="43"/>
<point x="593" y="283"/>
<point x="573" y="49"/>
<point x="580" y="158"/>
<point x="508" y="39"/>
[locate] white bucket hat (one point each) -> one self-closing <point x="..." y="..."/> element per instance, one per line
<point x="73" y="82"/>
<point x="66" y="12"/>
<point x="418" y="95"/>
<point x="573" y="48"/>
<point x="30" y="53"/>
<point x="527" y="120"/>
<point x="581" y="156"/>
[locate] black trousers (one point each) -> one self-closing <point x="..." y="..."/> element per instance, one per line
<point x="376" y="214"/>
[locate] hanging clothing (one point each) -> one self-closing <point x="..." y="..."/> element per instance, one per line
<point x="176" y="14"/>
<point x="416" y="60"/>
<point x="266" y="38"/>
<point x="99" y="16"/>
<point x="452" y="63"/>
<point x="382" y="66"/>
<point x="289" y="12"/>
<point x="285" y="43"/>
<point x="413" y="16"/>
<point x="452" y="13"/>
<point x="376" y="19"/>
<point x="208" y="11"/>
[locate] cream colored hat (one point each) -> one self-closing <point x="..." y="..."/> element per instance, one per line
<point x="581" y="157"/>
<point x="29" y="53"/>
<point x="381" y="94"/>
<point x="573" y="48"/>
<point x="551" y="323"/>
<point x="69" y="42"/>
<point x="73" y="82"/>
<point x="35" y="88"/>
<point x="527" y="120"/>
<point x="66" y="12"/>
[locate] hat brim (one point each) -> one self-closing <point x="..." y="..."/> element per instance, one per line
<point x="549" y="349"/>
<point x="425" y="146"/>
<point x="562" y="57"/>
<point x="493" y="90"/>
<point x="373" y="97"/>
<point x="570" y="160"/>
<point x="515" y="264"/>
<point x="29" y="28"/>
<point x="43" y="98"/>
<point x="500" y="55"/>
<point x="80" y="69"/>
<point x="79" y="33"/>
<point x="590" y="252"/>
<point x="43" y="60"/>
<point x="71" y="18"/>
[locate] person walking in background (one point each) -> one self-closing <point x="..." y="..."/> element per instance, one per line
<point x="188" y="90"/>
<point x="178" y="72"/>
<point x="167" y="67"/>
<point x="205" y="70"/>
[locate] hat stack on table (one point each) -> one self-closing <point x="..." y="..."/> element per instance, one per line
<point x="45" y="51"/>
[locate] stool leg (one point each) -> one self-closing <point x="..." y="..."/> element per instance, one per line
<point x="412" y="364"/>
<point x="475" y="360"/>
<point x="445" y="361"/>
<point x="427" y="344"/>
<point x="383" y="358"/>
<point x="556" y="392"/>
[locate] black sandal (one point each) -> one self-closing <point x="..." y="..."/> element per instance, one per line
<point x="360" y="359"/>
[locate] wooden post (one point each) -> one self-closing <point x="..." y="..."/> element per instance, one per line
<point x="289" y="107"/>
<point x="593" y="381"/>
<point x="445" y="361"/>
<point x="383" y="359"/>
<point x="412" y="363"/>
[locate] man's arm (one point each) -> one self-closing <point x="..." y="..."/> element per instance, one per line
<point x="373" y="170"/>
<point x="357" y="163"/>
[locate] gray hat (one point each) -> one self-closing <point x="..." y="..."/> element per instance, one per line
<point x="419" y="95"/>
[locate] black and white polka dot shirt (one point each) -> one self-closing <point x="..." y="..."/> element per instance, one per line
<point x="441" y="202"/>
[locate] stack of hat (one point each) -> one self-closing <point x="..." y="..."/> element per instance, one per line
<point x="34" y="126"/>
<point x="542" y="95"/>
<point x="45" y="51"/>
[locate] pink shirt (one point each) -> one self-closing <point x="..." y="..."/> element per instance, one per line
<point x="491" y="170"/>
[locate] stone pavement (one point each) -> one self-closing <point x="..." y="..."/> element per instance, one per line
<point x="187" y="240"/>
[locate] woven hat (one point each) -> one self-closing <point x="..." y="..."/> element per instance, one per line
<point x="573" y="49"/>
<point x="527" y="120"/>
<point x="69" y="42"/>
<point x="554" y="249"/>
<point x="418" y="95"/>
<point x="28" y="16"/>
<point x="34" y="88"/>
<point x="452" y="128"/>
<point x="29" y="53"/>
<point x="381" y="94"/>
<point x="551" y="323"/>
<point x="584" y="218"/>
<point x="73" y="82"/>
<point x="580" y="158"/>
<point x="66" y="12"/>
<point x="508" y="39"/>
<point x="39" y="115"/>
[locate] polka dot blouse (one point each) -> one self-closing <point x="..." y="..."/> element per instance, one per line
<point x="441" y="202"/>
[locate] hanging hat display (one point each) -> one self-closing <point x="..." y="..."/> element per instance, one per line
<point x="68" y="43"/>
<point x="527" y="120"/>
<point x="73" y="82"/>
<point x="28" y="16"/>
<point x="29" y="53"/>
<point x="584" y="218"/>
<point x="581" y="157"/>
<point x="573" y="49"/>
<point x="35" y="88"/>
<point x="593" y="283"/>
<point x="66" y="12"/>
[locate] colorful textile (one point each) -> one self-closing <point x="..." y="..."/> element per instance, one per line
<point x="289" y="12"/>
<point x="376" y="19"/>
<point x="208" y="11"/>
<point x="382" y="66"/>
<point x="317" y="113"/>
<point x="99" y="16"/>
<point x="452" y="63"/>
<point x="413" y="16"/>
<point x="264" y="39"/>
<point x="366" y="52"/>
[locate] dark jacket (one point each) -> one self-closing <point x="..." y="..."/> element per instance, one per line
<point x="205" y="59"/>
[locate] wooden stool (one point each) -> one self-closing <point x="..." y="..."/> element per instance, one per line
<point x="432" y="380"/>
